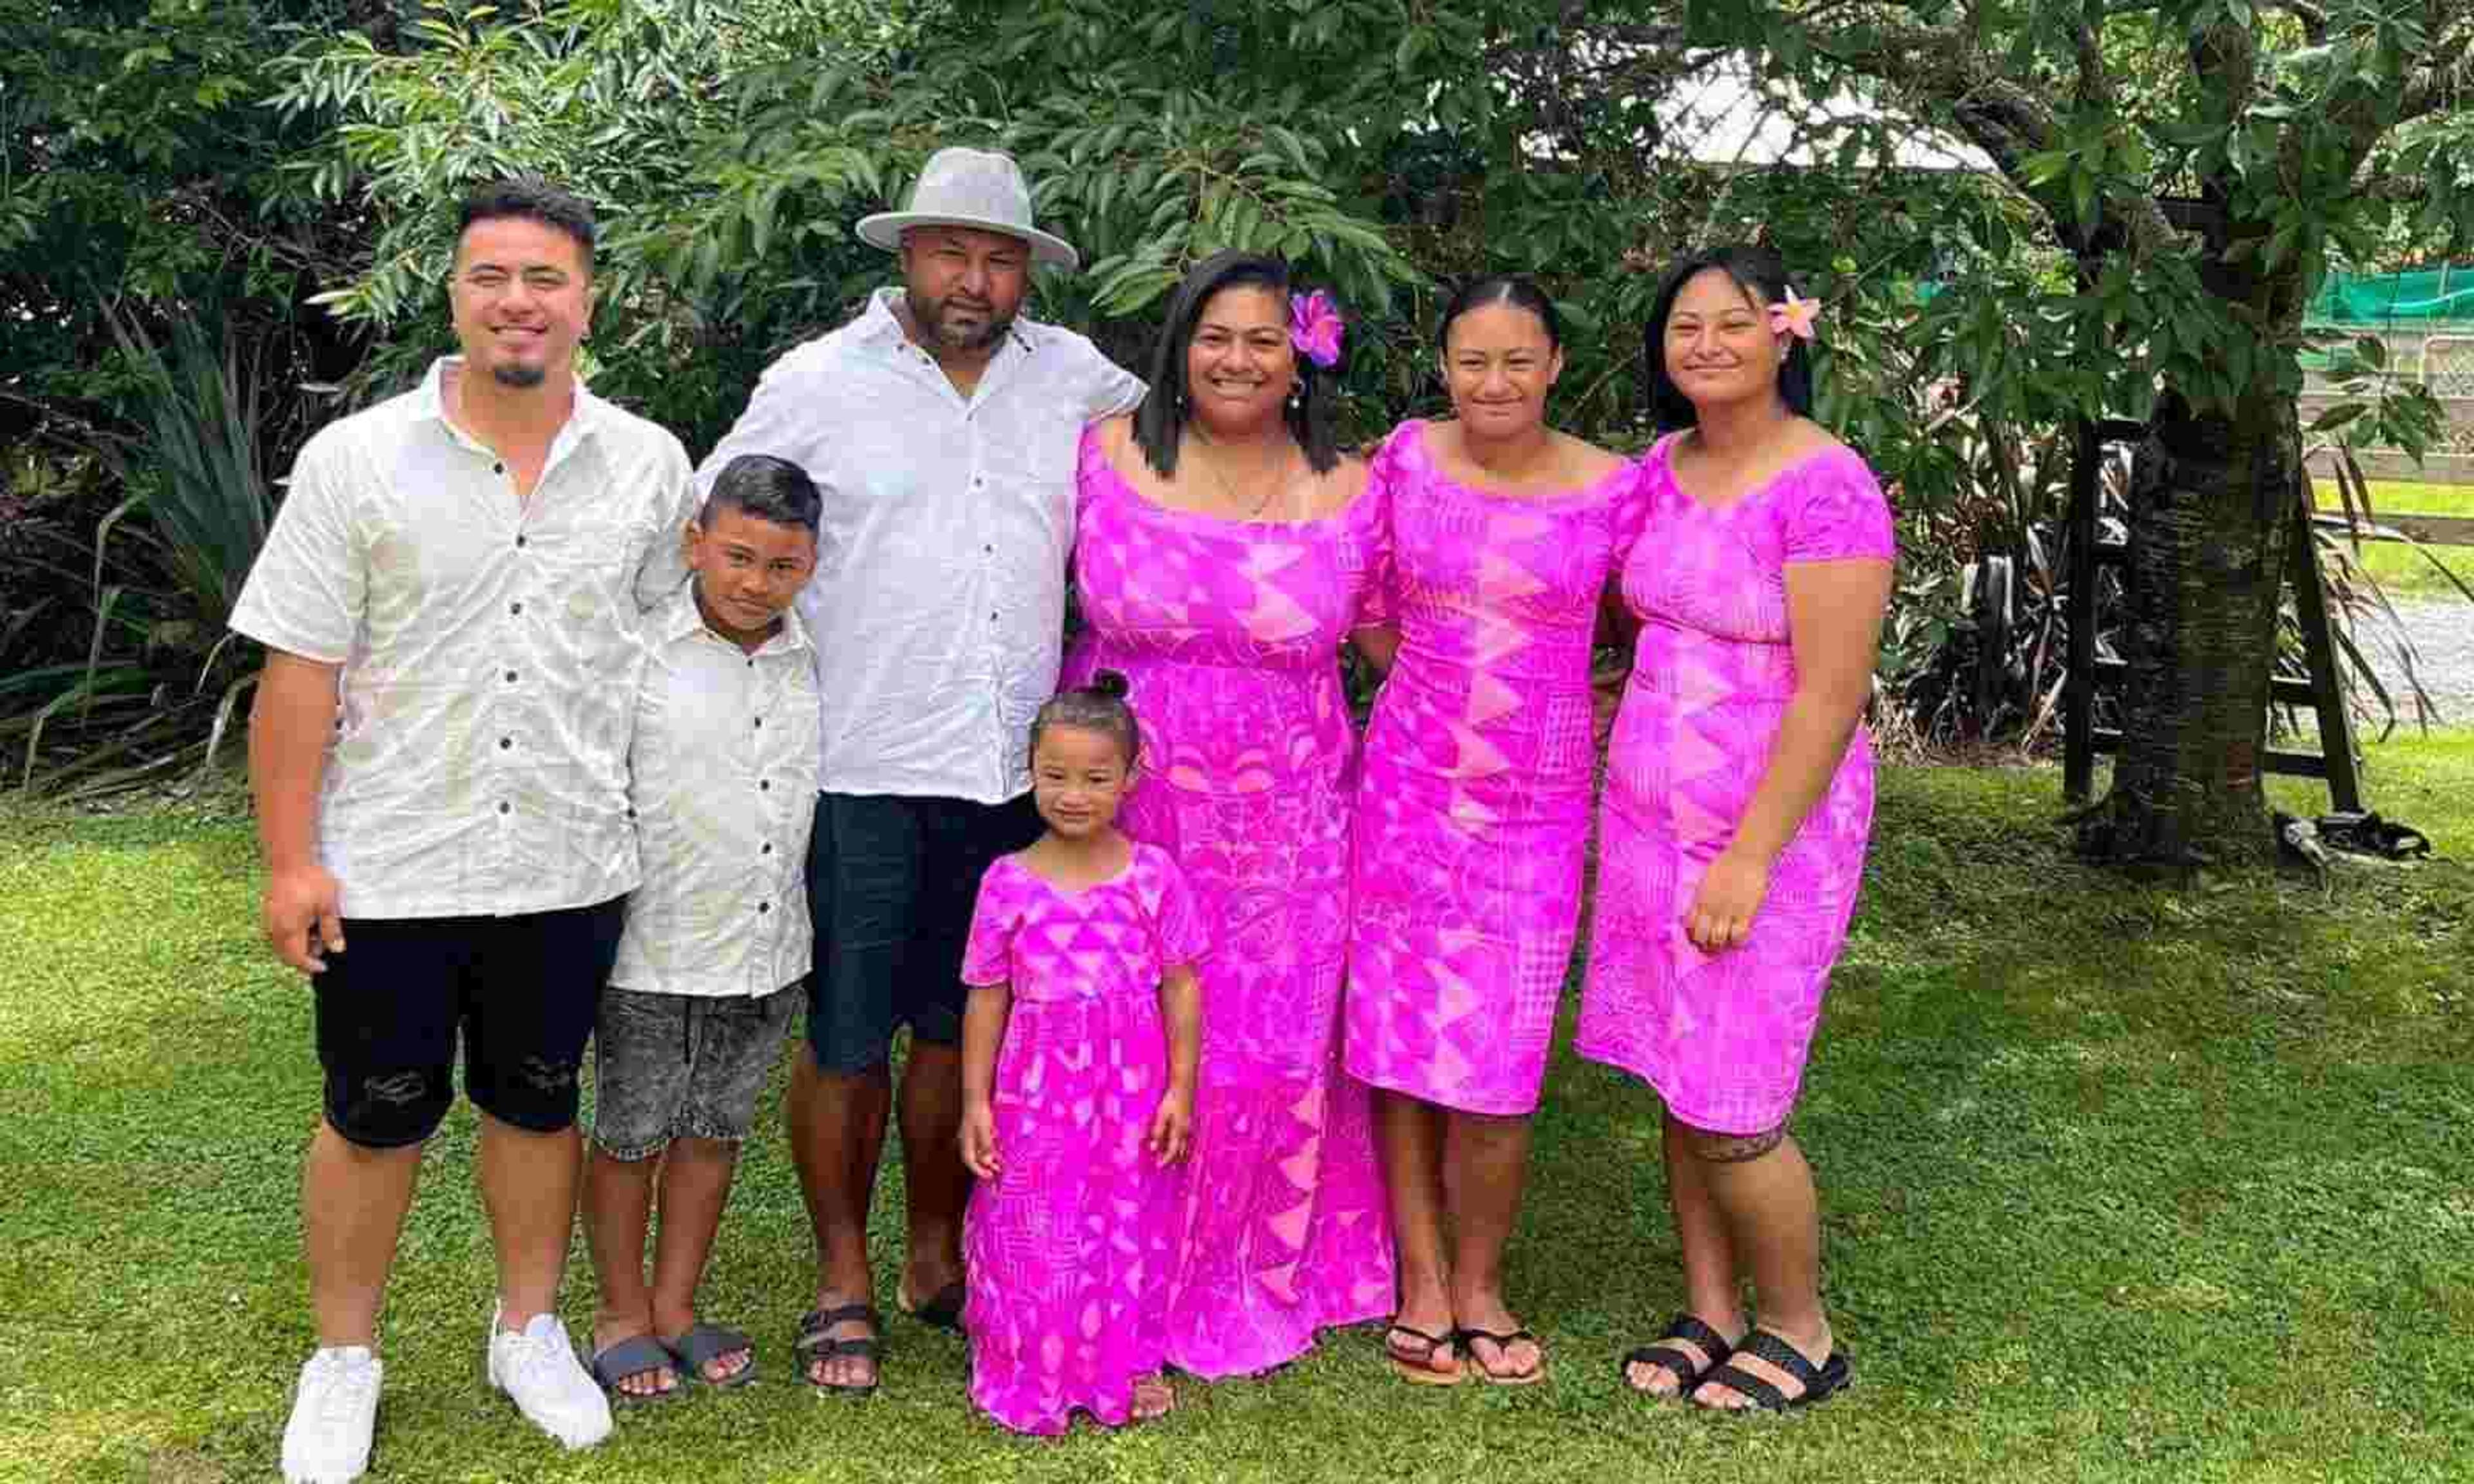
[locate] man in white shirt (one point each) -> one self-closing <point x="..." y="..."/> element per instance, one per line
<point x="450" y="599"/>
<point x="941" y="430"/>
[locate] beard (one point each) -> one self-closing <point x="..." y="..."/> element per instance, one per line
<point x="932" y="314"/>
<point x="519" y="374"/>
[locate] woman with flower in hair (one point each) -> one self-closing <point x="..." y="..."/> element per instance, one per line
<point x="1738" y="799"/>
<point x="1474" y="813"/>
<point x="1224" y="552"/>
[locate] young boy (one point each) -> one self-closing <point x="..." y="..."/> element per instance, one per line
<point x="724" y="781"/>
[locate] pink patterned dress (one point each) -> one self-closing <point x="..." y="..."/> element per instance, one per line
<point x="1474" y="810"/>
<point x="1068" y="1248"/>
<point x="1723" y="1037"/>
<point x="1229" y="633"/>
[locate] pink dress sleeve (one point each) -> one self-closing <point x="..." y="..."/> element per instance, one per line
<point x="1184" y="937"/>
<point x="987" y="955"/>
<point x="1376" y="605"/>
<point x="1837" y="514"/>
<point x="1631" y="514"/>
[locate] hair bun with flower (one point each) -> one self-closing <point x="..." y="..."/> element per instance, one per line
<point x="1111" y="683"/>
<point x="1793" y="316"/>
<point x="1314" y="327"/>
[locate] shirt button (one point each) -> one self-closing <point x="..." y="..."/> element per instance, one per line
<point x="759" y="722"/>
<point x="768" y="848"/>
<point x="505" y="743"/>
<point x="516" y="606"/>
<point x="764" y="785"/>
<point x="763" y="907"/>
<point x="511" y="677"/>
<point x="502" y="808"/>
<point x="520" y="541"/>
<point x="497" y="468"/>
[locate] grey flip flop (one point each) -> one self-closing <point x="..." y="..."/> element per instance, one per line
<point x="637" y="1357"/>
<point x="704" y="1343"/>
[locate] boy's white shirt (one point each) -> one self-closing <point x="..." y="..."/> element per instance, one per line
<point x="724" y="792"/>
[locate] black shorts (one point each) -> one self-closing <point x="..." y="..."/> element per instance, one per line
<point x="521" y="992"/>
<point x="892" y="882"/>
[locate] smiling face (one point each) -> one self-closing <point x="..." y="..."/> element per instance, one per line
<point x="1079" y="776"/>
<point x="1719" y="347"/>
<point x="747" y="571"/>
<point x="963" y="287"/>
<point x="522" y="297"/>
<point x="1240" y="366"/>
<point x="1498" y="362"/>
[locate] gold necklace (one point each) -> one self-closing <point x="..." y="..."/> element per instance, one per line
<point x="1229" y="490"/>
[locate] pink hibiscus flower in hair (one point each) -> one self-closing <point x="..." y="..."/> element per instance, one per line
<point x="1793" y="316"/>
<point x="1314" y="327"/>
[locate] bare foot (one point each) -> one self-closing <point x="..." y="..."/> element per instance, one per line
<point x="655" y="1382"/>
<point x="713" y="1372"/>
<point x="1498" y="1344"/>
<point x="843" y="1369"/>
<point x="1656" y="1380"/>
<point x="1814" y="1348"/>
<point x="1154" y="1398"/>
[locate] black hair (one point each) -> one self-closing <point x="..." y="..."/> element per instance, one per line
<point x="1761" y="275"/>
<point x="766" y="487"/>
<point x="1517" y="290"/>
<point x="534" y="200"/>
<point x="1098" y="707"/>
<point x="1165" y="407"/>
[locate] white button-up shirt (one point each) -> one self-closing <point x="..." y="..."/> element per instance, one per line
<point x="489" y="649"/>
<point x="724" y="766"/>
<point x="939" y="616"/>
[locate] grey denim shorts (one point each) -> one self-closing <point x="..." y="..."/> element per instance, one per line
<point x="682" y="1067"/>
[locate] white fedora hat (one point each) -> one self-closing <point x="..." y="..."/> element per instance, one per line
<point x="976" y="189"/>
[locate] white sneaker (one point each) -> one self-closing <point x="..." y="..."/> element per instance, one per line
<point x="538" y="1372"/>
<point x="327" y="1440"/>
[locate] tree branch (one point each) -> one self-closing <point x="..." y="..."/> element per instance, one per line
<point x="2007" y="120"/>
<point x="2445" y="83"/>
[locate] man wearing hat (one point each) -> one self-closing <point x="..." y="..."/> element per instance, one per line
<point x="941" y="429"/>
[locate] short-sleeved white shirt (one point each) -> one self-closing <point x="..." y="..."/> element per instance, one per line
<point x="939" y="616"/>
<point x="724" y="786"/>
<point x="489" y="649"/>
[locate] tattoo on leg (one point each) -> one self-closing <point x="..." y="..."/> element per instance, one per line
<point x="1735" y="1148"/>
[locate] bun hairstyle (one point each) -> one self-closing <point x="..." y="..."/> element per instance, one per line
<point x="1099" y="706"/>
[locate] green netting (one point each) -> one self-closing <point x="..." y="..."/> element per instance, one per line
<point x="2417" y="296"/>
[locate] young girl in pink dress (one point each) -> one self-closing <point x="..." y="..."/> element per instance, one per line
<point x="1080" y="1043"/>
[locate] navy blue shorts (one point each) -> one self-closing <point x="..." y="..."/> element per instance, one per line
<point x="892" y="882"/>
<point x="520" y="993"/>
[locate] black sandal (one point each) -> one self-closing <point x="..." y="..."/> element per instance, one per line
<point x="1820" y="1382"/>
<point x="1422" y="1370"/>
<point x="814" y="1345"/>
<point x="1674" y="1362"/>
<point x="1503" y="1340"/>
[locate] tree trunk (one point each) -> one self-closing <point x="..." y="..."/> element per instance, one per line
<point x="2208" y="531"/>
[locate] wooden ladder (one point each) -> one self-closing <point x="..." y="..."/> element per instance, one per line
<point x="2323" y="691"/>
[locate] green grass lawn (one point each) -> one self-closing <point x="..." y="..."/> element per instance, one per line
<point x="2120" y="1184"/>
<point x="2402" y="571"/>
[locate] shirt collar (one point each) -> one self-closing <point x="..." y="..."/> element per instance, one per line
<point x="680" y="619"/>
<point x="429" y="402"/>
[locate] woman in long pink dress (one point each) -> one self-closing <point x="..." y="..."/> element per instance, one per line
<point x="1738" y="799"/>
<point x="1475" y="812"/>
<point x="1224" y="552"/>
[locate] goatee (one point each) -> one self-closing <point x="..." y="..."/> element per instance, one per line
<point x="519" y="374"/>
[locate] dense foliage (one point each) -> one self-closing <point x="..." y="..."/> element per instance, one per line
<point x="1972" y="312"/>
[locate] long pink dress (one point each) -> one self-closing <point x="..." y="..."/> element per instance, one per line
<point x="1473" y="813"/>
<point x="1723" y="1037"/>
<point x="1067" y="1249"/>
<point x="1229" y="633"/>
